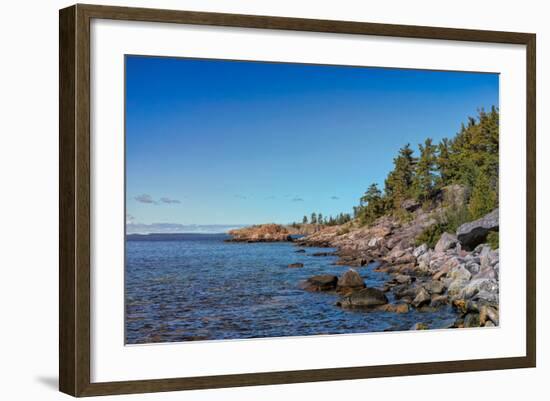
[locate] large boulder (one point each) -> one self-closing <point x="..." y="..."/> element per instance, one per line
<point x="349" y="281"/>
<point x="475" y="232"/>
<point x="446" y="242"/>
<point x="365" y="298"/>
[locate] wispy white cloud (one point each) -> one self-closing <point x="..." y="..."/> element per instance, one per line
<point x="297" y="199"/>
<point x="145" y="198"/>
<point x="334" y="197"/>
<point x="168" y="200"/>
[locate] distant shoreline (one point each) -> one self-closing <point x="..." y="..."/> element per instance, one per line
<point x="169" y="236"/>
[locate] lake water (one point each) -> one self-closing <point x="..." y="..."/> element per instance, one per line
<point x="198" y="287"/>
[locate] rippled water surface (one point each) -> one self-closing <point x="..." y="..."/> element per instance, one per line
<point x="198" y="287"/>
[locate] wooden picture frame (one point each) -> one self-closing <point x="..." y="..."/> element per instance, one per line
<point x="74" y="199"/>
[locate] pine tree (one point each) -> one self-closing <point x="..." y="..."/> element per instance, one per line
<point x="399" y="181"/>
<point x="483" y="199"/>
<point x="304" y="220"/>
<point x="371" y="205"/>
<point x="424" y="178"/>
<point x="443" y="163"/>
<point x="313" y="218"/>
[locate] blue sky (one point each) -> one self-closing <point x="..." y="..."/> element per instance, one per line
<point x="228" y="142"/>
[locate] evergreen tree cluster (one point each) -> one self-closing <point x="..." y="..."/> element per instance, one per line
<point x="469" y="159"/>
<point x="318" y="218"/>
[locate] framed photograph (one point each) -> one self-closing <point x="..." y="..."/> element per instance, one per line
<point x="250" y="200"/>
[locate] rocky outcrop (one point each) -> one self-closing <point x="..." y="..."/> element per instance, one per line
<point x="260" y="233"/>
<point x="475" y="232"/>
<point x="410" y="205"/>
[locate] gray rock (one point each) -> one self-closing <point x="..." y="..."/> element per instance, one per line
<point x="365" y="298"/>
<point x="404" y="291"/>
<point x="443" y="267"/>
<point x="435" y="287"/>
<point x="455" y="287"/>
<point x="486" y="297"/>
<point x="488" y="259"/>
<point x="447" y="241"/>
<point x="486" y="272"/>
<point x="405" y="258"/>
<point x="439" y="300"/>
<point x="420" y="250"/>
<point x="459" y="273"/>
<point x="475" y="232"/>
<point x="422" y="298"/>
<point x="488" y="286"/>
<point x="403" y="279"/>
<point x="472" y="267"/>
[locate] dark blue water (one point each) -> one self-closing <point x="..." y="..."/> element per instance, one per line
<point x="198" y="287"/>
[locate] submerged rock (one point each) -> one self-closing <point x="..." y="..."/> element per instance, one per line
<point x="295" y="265"/>
<point x="323" y="254"/>
<point x="322" y="282"/>
<point x="394" y="308"/>
<point x="365" y="298"/>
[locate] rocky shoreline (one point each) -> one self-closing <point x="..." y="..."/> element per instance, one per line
<point x="422" y="278"/>
<point x="461" y="270"/>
